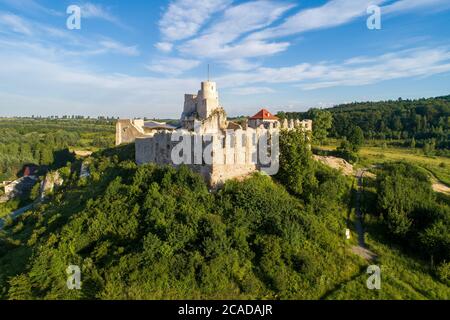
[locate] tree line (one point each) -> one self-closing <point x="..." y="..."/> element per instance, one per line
<point x="46" y="142"/>
<point x="419" y="123"/>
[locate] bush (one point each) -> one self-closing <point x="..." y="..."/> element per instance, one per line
<point x="411" y="211"/>
<point x="443" y="272"/>
<point x="346" y="151"/>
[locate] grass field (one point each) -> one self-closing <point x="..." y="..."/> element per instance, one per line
<point x="403" y="274"/>
<point x="401" y="278"/>
<point x="369" y="155"/>
<point x="438" y="166"/>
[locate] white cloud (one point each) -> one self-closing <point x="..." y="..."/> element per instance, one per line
<point x="408" y="5"/>
<point x="184" y="18"/>
<point x="117" y="47"/>
<point x="83" y="49"/>
<point x="247" y="30"/>
<point x="221" y="40"/>
<point x="339" y="12"/>
<point x="15" y="23"/>
<point x="33" y="85"/>
<point x="331" y="14"/>
<point x="239" y="51"/>
<point x="41" y="39"/>
<point x="31" y="7"/>
<point x="164" y="46"/>
<point x="33" y="31"/>
<point x="97" y="11"/>
<point x="90" y="10"/>
<point x="418" y="62"/>
<point x="241" y="64"/>
<point x="172" y="66"/>
<point x="244" y="91"/>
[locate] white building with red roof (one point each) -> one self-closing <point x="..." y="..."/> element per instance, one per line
<point x="263" y="117"/>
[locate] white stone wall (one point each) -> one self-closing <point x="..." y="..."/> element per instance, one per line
<point x="128" y="130"/>
<point x="190" y="101"/>
<point x="232" y="155"/>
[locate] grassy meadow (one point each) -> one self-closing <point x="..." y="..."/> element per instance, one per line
<point x="379" y="152"/>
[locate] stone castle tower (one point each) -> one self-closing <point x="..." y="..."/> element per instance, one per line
<point x="202" y="104"/>
<point x="204" y="107"/>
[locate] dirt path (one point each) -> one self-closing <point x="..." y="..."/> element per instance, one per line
<point x="361" y="249"/>
<point x="336" y="163"/>
<point x="439" y="186"/>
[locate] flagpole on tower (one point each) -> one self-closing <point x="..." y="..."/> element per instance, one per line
<point x="208" y="72"/>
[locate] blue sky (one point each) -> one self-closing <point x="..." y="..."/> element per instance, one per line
<point x="138" y="58"/>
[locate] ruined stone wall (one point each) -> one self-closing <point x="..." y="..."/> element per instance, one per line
<point x="128" y="130"/>
<point x="154" y="148"/>
<point x="233" y="155"/>
<point x="190" y="105"/>
<point x="305" y="125"/>
<point x="221" y="173"/>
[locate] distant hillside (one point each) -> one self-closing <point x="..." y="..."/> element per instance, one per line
<point x="46" y="142"/>
<point x="425" y="120"/>
<point x="447" y="98"/>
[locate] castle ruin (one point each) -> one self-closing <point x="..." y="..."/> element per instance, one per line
<point x="206" y="141"/>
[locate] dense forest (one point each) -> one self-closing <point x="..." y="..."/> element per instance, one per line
<point x="47" y="142"/>
<point x="416" y="122"/>
<point x="154" y="232"/>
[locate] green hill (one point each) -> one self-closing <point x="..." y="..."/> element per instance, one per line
<point x="425" y="120"/>
<point x="152" y="232"/>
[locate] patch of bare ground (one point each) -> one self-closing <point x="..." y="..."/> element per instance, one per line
<point x="83" y="153"/>
<point x="363" y="253"/>
<point x="336" y="163"/>
<point x="440" y="187"/>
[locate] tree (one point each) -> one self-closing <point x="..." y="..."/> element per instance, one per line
<point x="46" y="156"/>
<point x="345" y="150"/>
<point x="356" y="138"/>
<point x="20" y="288"/>
<point x="404" y="197"/>
<point x="443" y="272"/>
<point x="35" y="191"/>
<point x="322" y="122"/>
<point x="296" y="165"/>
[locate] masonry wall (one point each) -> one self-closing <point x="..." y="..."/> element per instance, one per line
<point x="127" y="131"/>
<point x="232" y="156"/>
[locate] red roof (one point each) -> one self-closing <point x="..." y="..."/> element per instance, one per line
<point x="264" y="115"/>
<point x="29" y="171"/>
